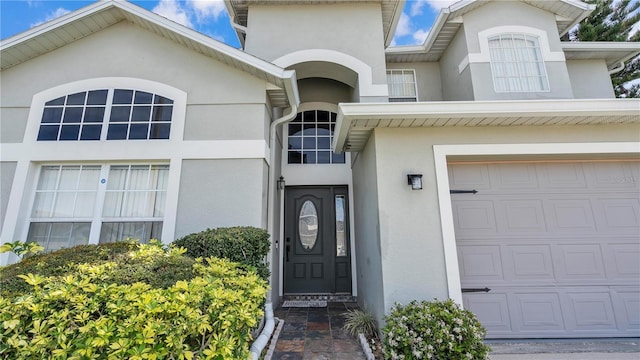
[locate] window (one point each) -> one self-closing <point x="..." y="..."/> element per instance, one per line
<point x="114" y="201"/>
<point x="517" y="64"/>
<point x="402" y="85"/>
<point x="310" y="138"/>
<point x="130" y="114"/>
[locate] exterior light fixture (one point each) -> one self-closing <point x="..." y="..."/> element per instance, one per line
<point x="415" y="180"/>
<point x="281" y="183"/>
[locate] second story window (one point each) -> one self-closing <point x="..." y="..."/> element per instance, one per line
<point x="517" y="64"/>
<point x="128" y="114"/>
<point x="402" y="85"/>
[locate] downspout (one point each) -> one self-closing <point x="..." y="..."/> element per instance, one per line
<point x="291" y="88"/>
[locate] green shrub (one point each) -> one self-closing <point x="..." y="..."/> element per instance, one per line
<point x="83" y="315"/>
<point x="246" y="245"/>
<point x="433" y="330"/>
<point x="57" y="263"/>
<point x="360" y="322"/>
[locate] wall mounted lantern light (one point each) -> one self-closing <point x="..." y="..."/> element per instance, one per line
<point x="281" y="183"/>
<point x="415" y="180"/>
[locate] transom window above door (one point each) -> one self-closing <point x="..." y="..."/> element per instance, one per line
<point x="310" y="138"/>
<point x="128" y="115"/>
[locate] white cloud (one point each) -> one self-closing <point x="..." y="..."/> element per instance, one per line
<point x="52" y="15"/>
<point x="172" y="10"/>
<point x="404" y="25"/>
<point x="417" y="5"/>
<point x="207" y="8"/>
<point x="420" y="36"/>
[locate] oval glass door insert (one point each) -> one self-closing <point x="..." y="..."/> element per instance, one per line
<point x="308" y="225"/>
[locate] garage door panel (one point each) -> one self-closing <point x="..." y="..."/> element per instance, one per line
<point x="476" y="176"/>
<point x="507" y="177"/>
<point x="480" y="263"/>
<point x="558" y="244"/>
<point x="626" y="303"/>
<point x="579" y="262"/>
<point x="569" y="215"/>
<point x="492" y="310"/>
<point x="536" y="311"/>
<point x="527" y="263"/>
<point x="554" y="176"/>
<point x="589" y="310"/>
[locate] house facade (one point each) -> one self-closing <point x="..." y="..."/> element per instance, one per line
<point x="491" y="164"/>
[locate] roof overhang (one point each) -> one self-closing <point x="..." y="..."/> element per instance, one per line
<point x="356" y="121"/>
<point x="103" y="14"/>
<point x="239" y="12"/>
<point x="568" y="13"/>
<point x="613" y="53"/>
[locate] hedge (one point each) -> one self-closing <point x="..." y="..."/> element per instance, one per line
<point x="246" y="245"/>
<point x="84" y="315"/>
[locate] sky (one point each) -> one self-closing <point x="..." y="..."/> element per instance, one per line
<point x="209" y="17"/>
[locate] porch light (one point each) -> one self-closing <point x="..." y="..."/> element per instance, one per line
<point x="281" y="183"/>
<point x="415" y="180"/>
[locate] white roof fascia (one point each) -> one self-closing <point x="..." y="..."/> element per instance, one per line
<point x="586" y="10"/>
<point x="151" y="17"/>
<point x="441" y="20"/>
<point x="632" y="48"/>
<point x="394" y="22"/>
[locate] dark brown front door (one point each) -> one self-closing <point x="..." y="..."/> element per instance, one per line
<point x="316" y="253"/>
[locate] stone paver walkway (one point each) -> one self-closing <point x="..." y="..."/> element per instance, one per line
<point x="316" y="333"/>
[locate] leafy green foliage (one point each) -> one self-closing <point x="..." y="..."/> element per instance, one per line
<point x="433" y="330"/>
<point x="246" y="245"/>
<point x="614" y="20"/>
<point x="21" y="248"/>
<point x="83" y="315"/>
<point x="360" y="322"/>
<point x="57" y="263"/>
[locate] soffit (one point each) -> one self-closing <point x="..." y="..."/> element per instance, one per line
<point x="613" y="53"/>
<point x="356" y="122"/>
<point x="391" y="10"/>
<point x="94" y="18"/>
<point x="449" y="20"/>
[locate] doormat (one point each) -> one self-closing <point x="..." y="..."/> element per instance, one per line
<point x="304" y="303"/>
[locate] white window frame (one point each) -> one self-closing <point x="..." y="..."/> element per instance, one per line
<point x="391" y="72"/>
<point x="97" y="218"/>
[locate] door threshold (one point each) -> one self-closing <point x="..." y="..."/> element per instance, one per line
<point x="325" y="297"/>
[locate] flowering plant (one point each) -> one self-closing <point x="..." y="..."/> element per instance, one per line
<point x="433" y="330"/>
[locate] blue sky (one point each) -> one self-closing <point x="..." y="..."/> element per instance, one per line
<point x="206" y="16"/>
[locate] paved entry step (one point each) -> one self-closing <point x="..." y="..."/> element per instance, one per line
<point x="321" y="297"/>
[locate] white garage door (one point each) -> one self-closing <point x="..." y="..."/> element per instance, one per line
<point x="557" y="243"/>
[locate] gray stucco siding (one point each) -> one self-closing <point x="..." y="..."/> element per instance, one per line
<point x="7" y="173"/>
<point x="220" y="193"/>
<point x="225" y="122"/>
<point x="324" y="90"/>
<point x="455" y="85"/>
<point x="325" y="24"/>
<point x="590" y="79"/>
<point x="13" y="122"/>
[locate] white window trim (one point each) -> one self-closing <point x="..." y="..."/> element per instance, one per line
<point x="440" y="154"/>
<point x="543" y="40"/>
<point x="178" y="96"/>
<point x="415" y="83"/>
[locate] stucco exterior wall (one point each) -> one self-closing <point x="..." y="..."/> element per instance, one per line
<point x="324" y="90"/>
<point x="590" y="79"/>
<point x="217" y="193"/>
<point x="515" y="14"/>
<point x="367" y="227"/>
<point x="303" y="27"/>
<point x="410" y="228"/>
<point x="7" y="172"/>
<point x="455" y="85"/>
<point x="427" y="77"/>
<point x="12" y="122"/>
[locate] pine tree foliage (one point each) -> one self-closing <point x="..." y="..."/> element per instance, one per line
<point x="614" y="20"/>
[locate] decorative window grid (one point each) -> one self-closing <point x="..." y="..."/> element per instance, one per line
<point x="310" y="138"/>
<point x="517" y="64"/>
<point x="402" y="85"/>
<point x="130" y="114"/>
<point x="75" y="203"/>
